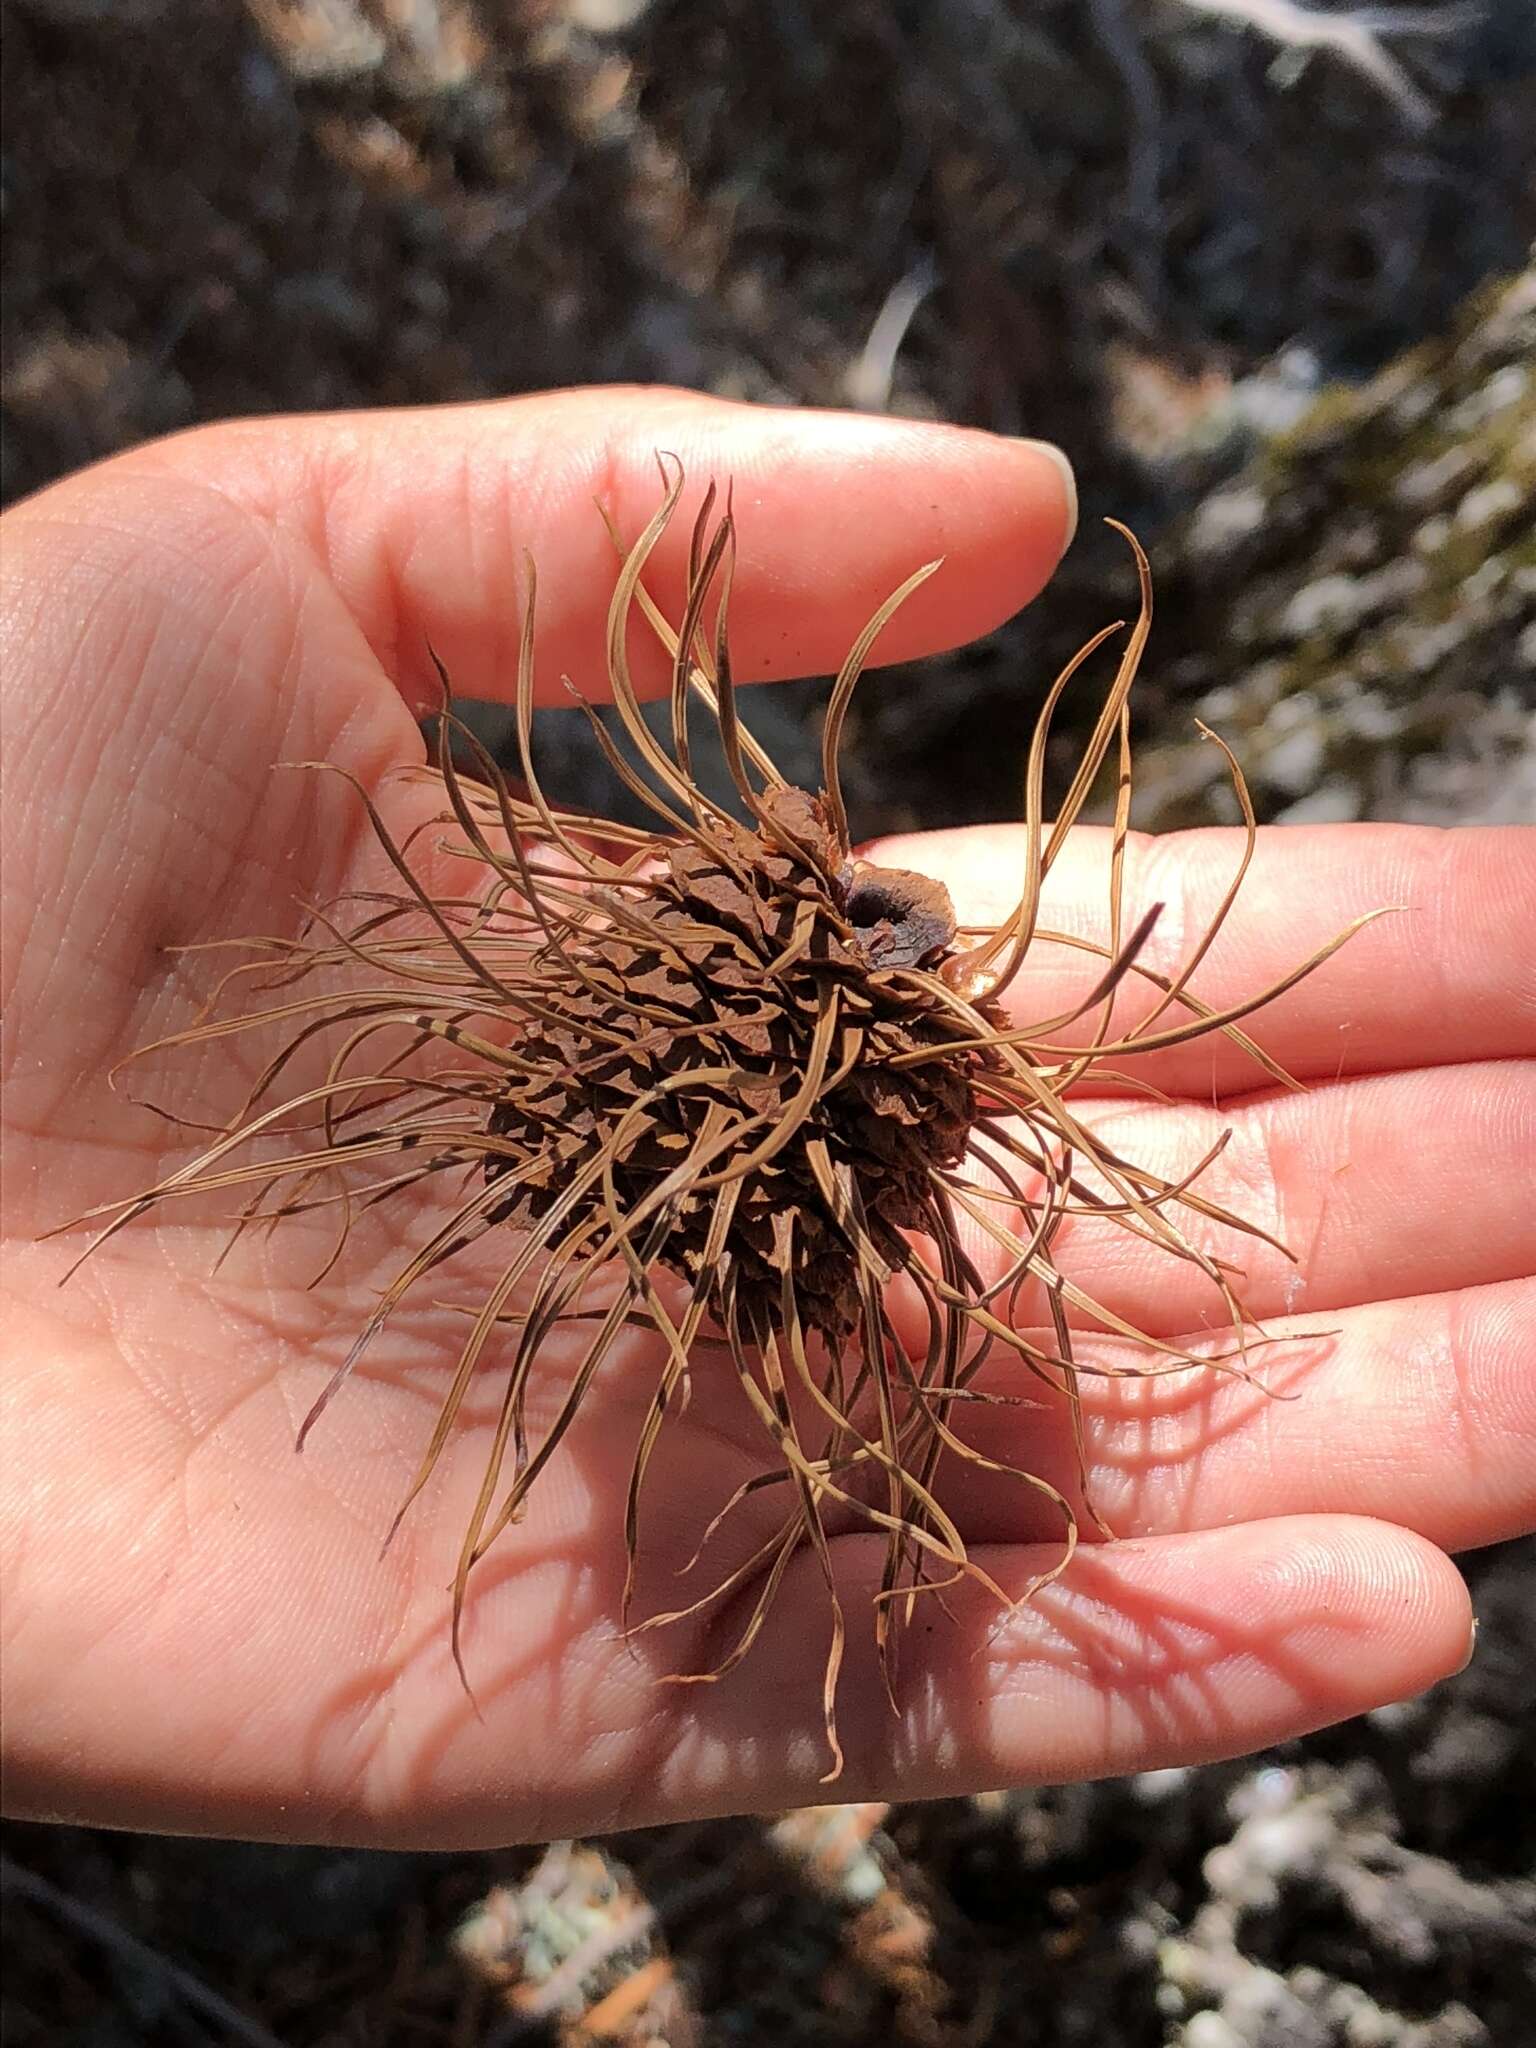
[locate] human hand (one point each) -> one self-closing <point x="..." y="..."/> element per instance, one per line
<point x="199" y="1631"/>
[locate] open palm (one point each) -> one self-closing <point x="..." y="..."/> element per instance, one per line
<point x="200" y="1632"/>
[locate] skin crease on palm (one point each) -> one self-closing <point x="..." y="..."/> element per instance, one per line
<point x="199" y="1631"/>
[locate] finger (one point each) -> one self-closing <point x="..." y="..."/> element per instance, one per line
<point x="1450" y="976"/>
<point x="1177" y="1650"/>
<point x="1389" y="1185"/>
<point x="424" y="520"/>
<point x="1420" y="1410"/>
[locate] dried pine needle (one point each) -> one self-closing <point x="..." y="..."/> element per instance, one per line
<point x="734" y="1053"/>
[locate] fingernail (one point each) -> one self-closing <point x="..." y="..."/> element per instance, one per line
<point x="1068" y="480"/>
<point x="1471" y="1647"/>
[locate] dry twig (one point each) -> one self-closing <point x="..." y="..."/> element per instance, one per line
<point x="1354" y="37"/>
<point x="16" y="1881"/>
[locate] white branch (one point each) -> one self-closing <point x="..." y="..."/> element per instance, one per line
<point x="1353" y="38"/>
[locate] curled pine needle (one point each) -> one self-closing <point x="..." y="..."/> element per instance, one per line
<point x="725" y="1082"/>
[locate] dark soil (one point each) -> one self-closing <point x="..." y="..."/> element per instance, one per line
<point x="1153" y="238"/>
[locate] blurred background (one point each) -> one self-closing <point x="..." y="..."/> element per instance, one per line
<point x="1264" y="270"/>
